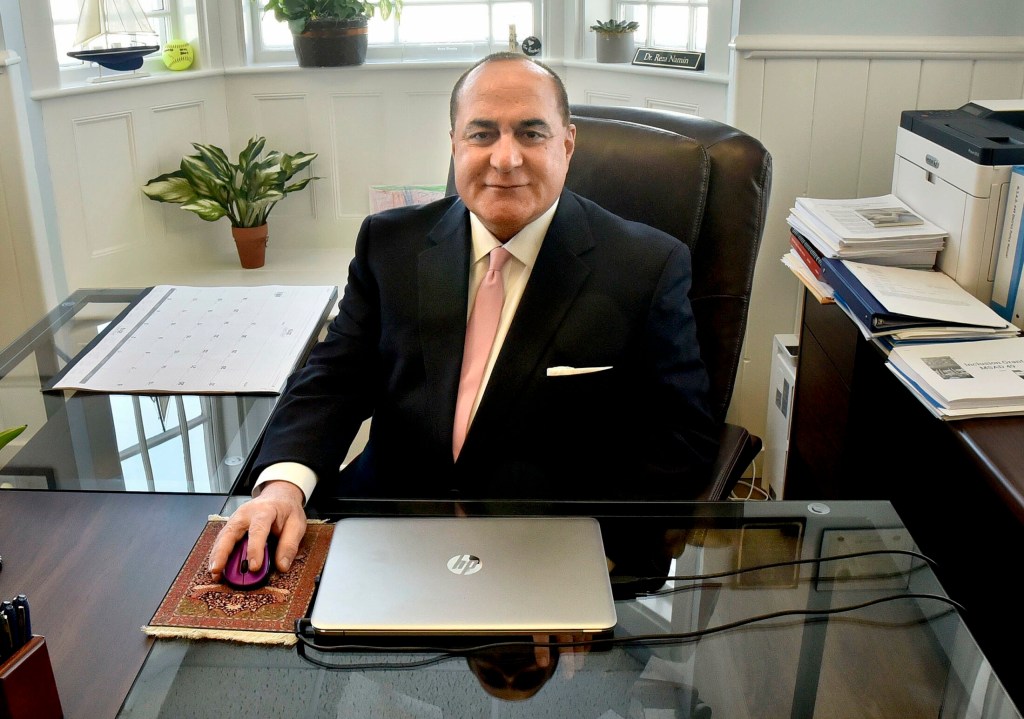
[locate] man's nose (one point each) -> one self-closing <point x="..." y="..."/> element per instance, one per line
<point x="506" y="156"/>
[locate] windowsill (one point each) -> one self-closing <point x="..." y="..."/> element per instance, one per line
<point x="159" y="76"/>
<point x="630" y="69"/>
<point x="156" y="77"/>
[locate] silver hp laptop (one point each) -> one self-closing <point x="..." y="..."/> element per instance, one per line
<point x="464" y="576"/>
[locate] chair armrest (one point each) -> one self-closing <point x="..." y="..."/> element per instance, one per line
<point x="736" y="450"/>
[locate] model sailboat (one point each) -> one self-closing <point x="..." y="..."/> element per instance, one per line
<point x="113" y="21"/>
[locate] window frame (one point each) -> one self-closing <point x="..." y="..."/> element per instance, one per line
<point x="694" y="7"/>
<point x="395" y="52"/>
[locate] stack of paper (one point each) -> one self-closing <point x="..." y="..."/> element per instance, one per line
<point x="958" y="380"/>
<point x="901" y="304"/>
<point x="878" y="230"/>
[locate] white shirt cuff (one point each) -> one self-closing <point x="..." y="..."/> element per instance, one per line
<point x="298" y="474"/>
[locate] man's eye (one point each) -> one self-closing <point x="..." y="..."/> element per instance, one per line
<point x="534" y="135"/>
<point x="480" y="136"/>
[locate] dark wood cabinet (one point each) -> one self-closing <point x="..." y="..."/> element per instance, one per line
<point x="857" y="433"/>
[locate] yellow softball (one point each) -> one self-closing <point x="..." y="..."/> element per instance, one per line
<point x="178" y="55"/>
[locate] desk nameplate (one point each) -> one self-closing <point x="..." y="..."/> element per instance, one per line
<point x="674" y="59"/>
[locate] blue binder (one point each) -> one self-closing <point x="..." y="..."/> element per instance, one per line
<point x="1010" y="252"/>
<point x="863" y="305"/>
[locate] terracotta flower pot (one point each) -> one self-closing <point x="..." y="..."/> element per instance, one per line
<point x="252" y="245"/>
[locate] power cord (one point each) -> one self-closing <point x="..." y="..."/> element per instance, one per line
<point x="303" y="628"/>
<point x="626" y="579"/>
<point x="752" y="486"/>
<point x="444" y="653"/>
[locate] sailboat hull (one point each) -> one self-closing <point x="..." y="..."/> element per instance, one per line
<point x="116" y="58"/>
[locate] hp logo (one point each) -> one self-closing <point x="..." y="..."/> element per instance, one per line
<point x="932" y="160"/>
<point x="464" y="564"/>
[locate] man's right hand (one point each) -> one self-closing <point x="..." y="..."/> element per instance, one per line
<point x="278" y="509"/>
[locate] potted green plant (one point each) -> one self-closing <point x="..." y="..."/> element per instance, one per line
<point x="330" y="33"/>
<point x="615" y="40"/>
<point x="212" y="186"/>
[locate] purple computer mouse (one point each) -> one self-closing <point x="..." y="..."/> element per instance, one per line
<point x="236" y="571"/>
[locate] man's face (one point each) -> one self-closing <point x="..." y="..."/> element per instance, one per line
<point x="510" y="145"/>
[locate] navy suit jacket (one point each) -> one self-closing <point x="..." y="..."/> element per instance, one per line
<point x="603" y="292"/>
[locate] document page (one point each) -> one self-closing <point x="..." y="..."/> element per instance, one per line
<point x="204" y="340"/>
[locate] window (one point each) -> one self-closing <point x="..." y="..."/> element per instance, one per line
<point x="429" y="30"/>
<point x="669" y="24"/>
<point x="65" y="23"/>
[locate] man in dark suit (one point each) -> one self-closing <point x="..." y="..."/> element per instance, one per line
<point x="593" y="386"/>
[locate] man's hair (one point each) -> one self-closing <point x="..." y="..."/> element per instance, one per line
<point x="563" y="96"/>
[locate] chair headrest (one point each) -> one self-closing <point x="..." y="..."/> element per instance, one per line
<point x="641" y="173"/>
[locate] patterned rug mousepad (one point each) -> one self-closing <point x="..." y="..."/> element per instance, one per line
<point x="196" y="607"/>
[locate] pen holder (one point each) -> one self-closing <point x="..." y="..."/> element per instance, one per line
<point x="27" y="687"/>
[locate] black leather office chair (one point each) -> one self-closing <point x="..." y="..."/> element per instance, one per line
<point x="707" y="184"/>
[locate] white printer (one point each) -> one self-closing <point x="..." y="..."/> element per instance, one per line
<point x="953" y="167"/>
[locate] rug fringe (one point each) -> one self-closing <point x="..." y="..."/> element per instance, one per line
<point x="230" y="635"/>
<point x="222" y="518"/>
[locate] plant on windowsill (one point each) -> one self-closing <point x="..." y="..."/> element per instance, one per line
<point x="331" y="33"/>
<point x="212" y="186"/>
<point x="615" y="40"/>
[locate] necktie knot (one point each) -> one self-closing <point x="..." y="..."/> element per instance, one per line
<point x="497" y="259"/>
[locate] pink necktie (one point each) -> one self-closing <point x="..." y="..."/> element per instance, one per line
<point x="480" y="331"/>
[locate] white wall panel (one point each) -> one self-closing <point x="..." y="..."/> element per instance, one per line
<point x="358" y="163"/>
<point x="944" y="84"/>
<point x="686" y="108"/>
<point x="892" y="88"/>
<point x="418" y="157"/>
<point x="997" y="80"/>
<point x="839" y="96"/>
<point x="110" y="200"/>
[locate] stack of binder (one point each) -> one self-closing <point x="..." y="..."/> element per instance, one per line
<point x="959" y="380"/>
<point x="898" y="304"/>
<point x="879" y="230"/>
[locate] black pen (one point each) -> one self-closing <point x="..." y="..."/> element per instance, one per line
<point x="6" y="638"/>
<point x="24" y="618"/>
<point x="11" y="617"/>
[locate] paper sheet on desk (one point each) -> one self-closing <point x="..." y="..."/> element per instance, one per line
<point x="203" y="340"/>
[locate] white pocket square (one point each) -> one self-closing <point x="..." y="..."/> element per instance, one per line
<point x="566" y="371"/>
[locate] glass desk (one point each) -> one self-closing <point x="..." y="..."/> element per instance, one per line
<point x="797" y="646"/>
<point x="109" y="442"/>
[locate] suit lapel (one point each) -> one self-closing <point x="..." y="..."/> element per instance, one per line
<point x="443" y="275"/>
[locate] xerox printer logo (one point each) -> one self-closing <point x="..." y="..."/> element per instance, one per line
<point x="464" y="564"/>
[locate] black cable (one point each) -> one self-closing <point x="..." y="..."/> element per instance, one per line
<point x="445" y="653"/>
<point x="626" y="579"/>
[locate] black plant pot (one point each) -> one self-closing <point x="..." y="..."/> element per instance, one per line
<point x="332" y="43"/>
